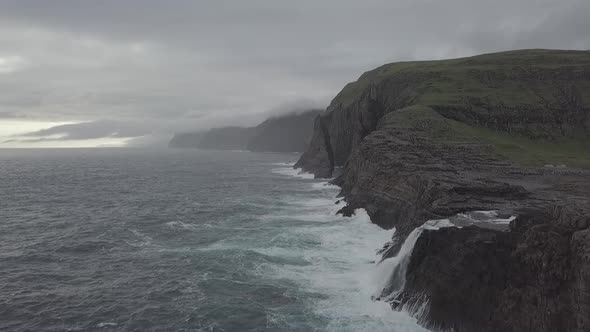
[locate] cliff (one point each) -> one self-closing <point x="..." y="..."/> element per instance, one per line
<point x="287" y="133"/>
<point x="186" y="140"/>
<point x="534" y="277"/>
<point x="226" y="138"/>
<point x="427" y="140"/>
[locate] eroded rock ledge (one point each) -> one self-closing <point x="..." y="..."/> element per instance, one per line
<point x="420" y="141"/>
<point x="533" y="278"/>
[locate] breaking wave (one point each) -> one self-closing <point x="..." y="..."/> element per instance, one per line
<point x="341" y="262"/>
<point x="290" y="171"/>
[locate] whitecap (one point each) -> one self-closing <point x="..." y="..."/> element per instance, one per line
<point x="293" y="172"/>
<point x="482" y="217"/>
<point x="106" y="324"/>
<point x="180" y="225"/>
<point x="284" y="164"/>
<point x="324" y="186"/>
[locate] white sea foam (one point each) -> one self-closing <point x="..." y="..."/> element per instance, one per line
<point x="342" y="267"/>
<point x="324" y="186"/>
<point x="295" y="172"/>
<point x="478" y="217"/>
<point x="106" y="324"/>
<point x="141" y="240"/>
<point x="284" y="164"/>
<point x="177" y="224"/>
<point x="339" y="255"/>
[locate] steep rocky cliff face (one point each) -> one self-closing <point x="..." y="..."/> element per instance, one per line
<point x="533" y="94"/>
<point x="287" y="133"/>
<point x="427" y="140"/>
<point x="532" y="278"/>
<point x="227" y="138"/>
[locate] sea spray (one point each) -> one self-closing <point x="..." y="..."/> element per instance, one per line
<point x="348" y="266"/>
<point x="290" y="171"/>
<point x="339" y="260"/>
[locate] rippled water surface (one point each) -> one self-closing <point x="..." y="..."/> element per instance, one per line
<point x="140" y="240"/>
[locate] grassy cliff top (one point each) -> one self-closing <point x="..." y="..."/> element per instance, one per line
<point x="443" y="81"/>
<point x="533" y="106"/>
<point x="573" y="151"/>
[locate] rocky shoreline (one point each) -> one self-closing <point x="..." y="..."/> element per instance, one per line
<point x="424" y="141"/>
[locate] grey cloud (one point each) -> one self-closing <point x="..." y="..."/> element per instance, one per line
<point x="158" y="141"/>
<point x="168" y="65"/>
<point x="89" y="130"/>
<point x="11" y="115"/>
<point x="293" y="106"/>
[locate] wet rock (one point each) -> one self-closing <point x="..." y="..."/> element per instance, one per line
<point x="346" y="211"/>
<point x="531" y="279"/>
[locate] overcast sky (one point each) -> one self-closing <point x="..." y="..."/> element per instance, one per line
<point x="116" y="72"/>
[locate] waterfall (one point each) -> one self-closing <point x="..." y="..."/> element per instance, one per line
<point x="391" y="272"/>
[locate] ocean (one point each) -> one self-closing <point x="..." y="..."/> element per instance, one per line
<point x="182" y="240"/>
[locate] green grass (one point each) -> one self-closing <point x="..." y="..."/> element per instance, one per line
<point x="510" y="100"/>
<point x="527" y="152"/>
<point x="454" y="78"/>
<point x="571" y="151"/>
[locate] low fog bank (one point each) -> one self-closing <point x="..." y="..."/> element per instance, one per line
<point x="155" y="133"/>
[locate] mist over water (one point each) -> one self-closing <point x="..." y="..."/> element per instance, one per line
<point x="117" y="240"/>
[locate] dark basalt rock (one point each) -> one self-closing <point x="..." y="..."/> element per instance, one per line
<point x="412" y="141"/>
<point x="317" y="158"/>
<point x="533" y="278"/>
<point x="346" y="211"/>
<point x="470" y="259"/>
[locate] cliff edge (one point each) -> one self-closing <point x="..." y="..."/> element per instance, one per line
<point x="506" y="132"/>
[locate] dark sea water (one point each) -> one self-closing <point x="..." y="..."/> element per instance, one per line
<point x="181" y="240"/>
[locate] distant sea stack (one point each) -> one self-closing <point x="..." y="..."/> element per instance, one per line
<point x="286" y="133"/>
<point x="506" y="132"/>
